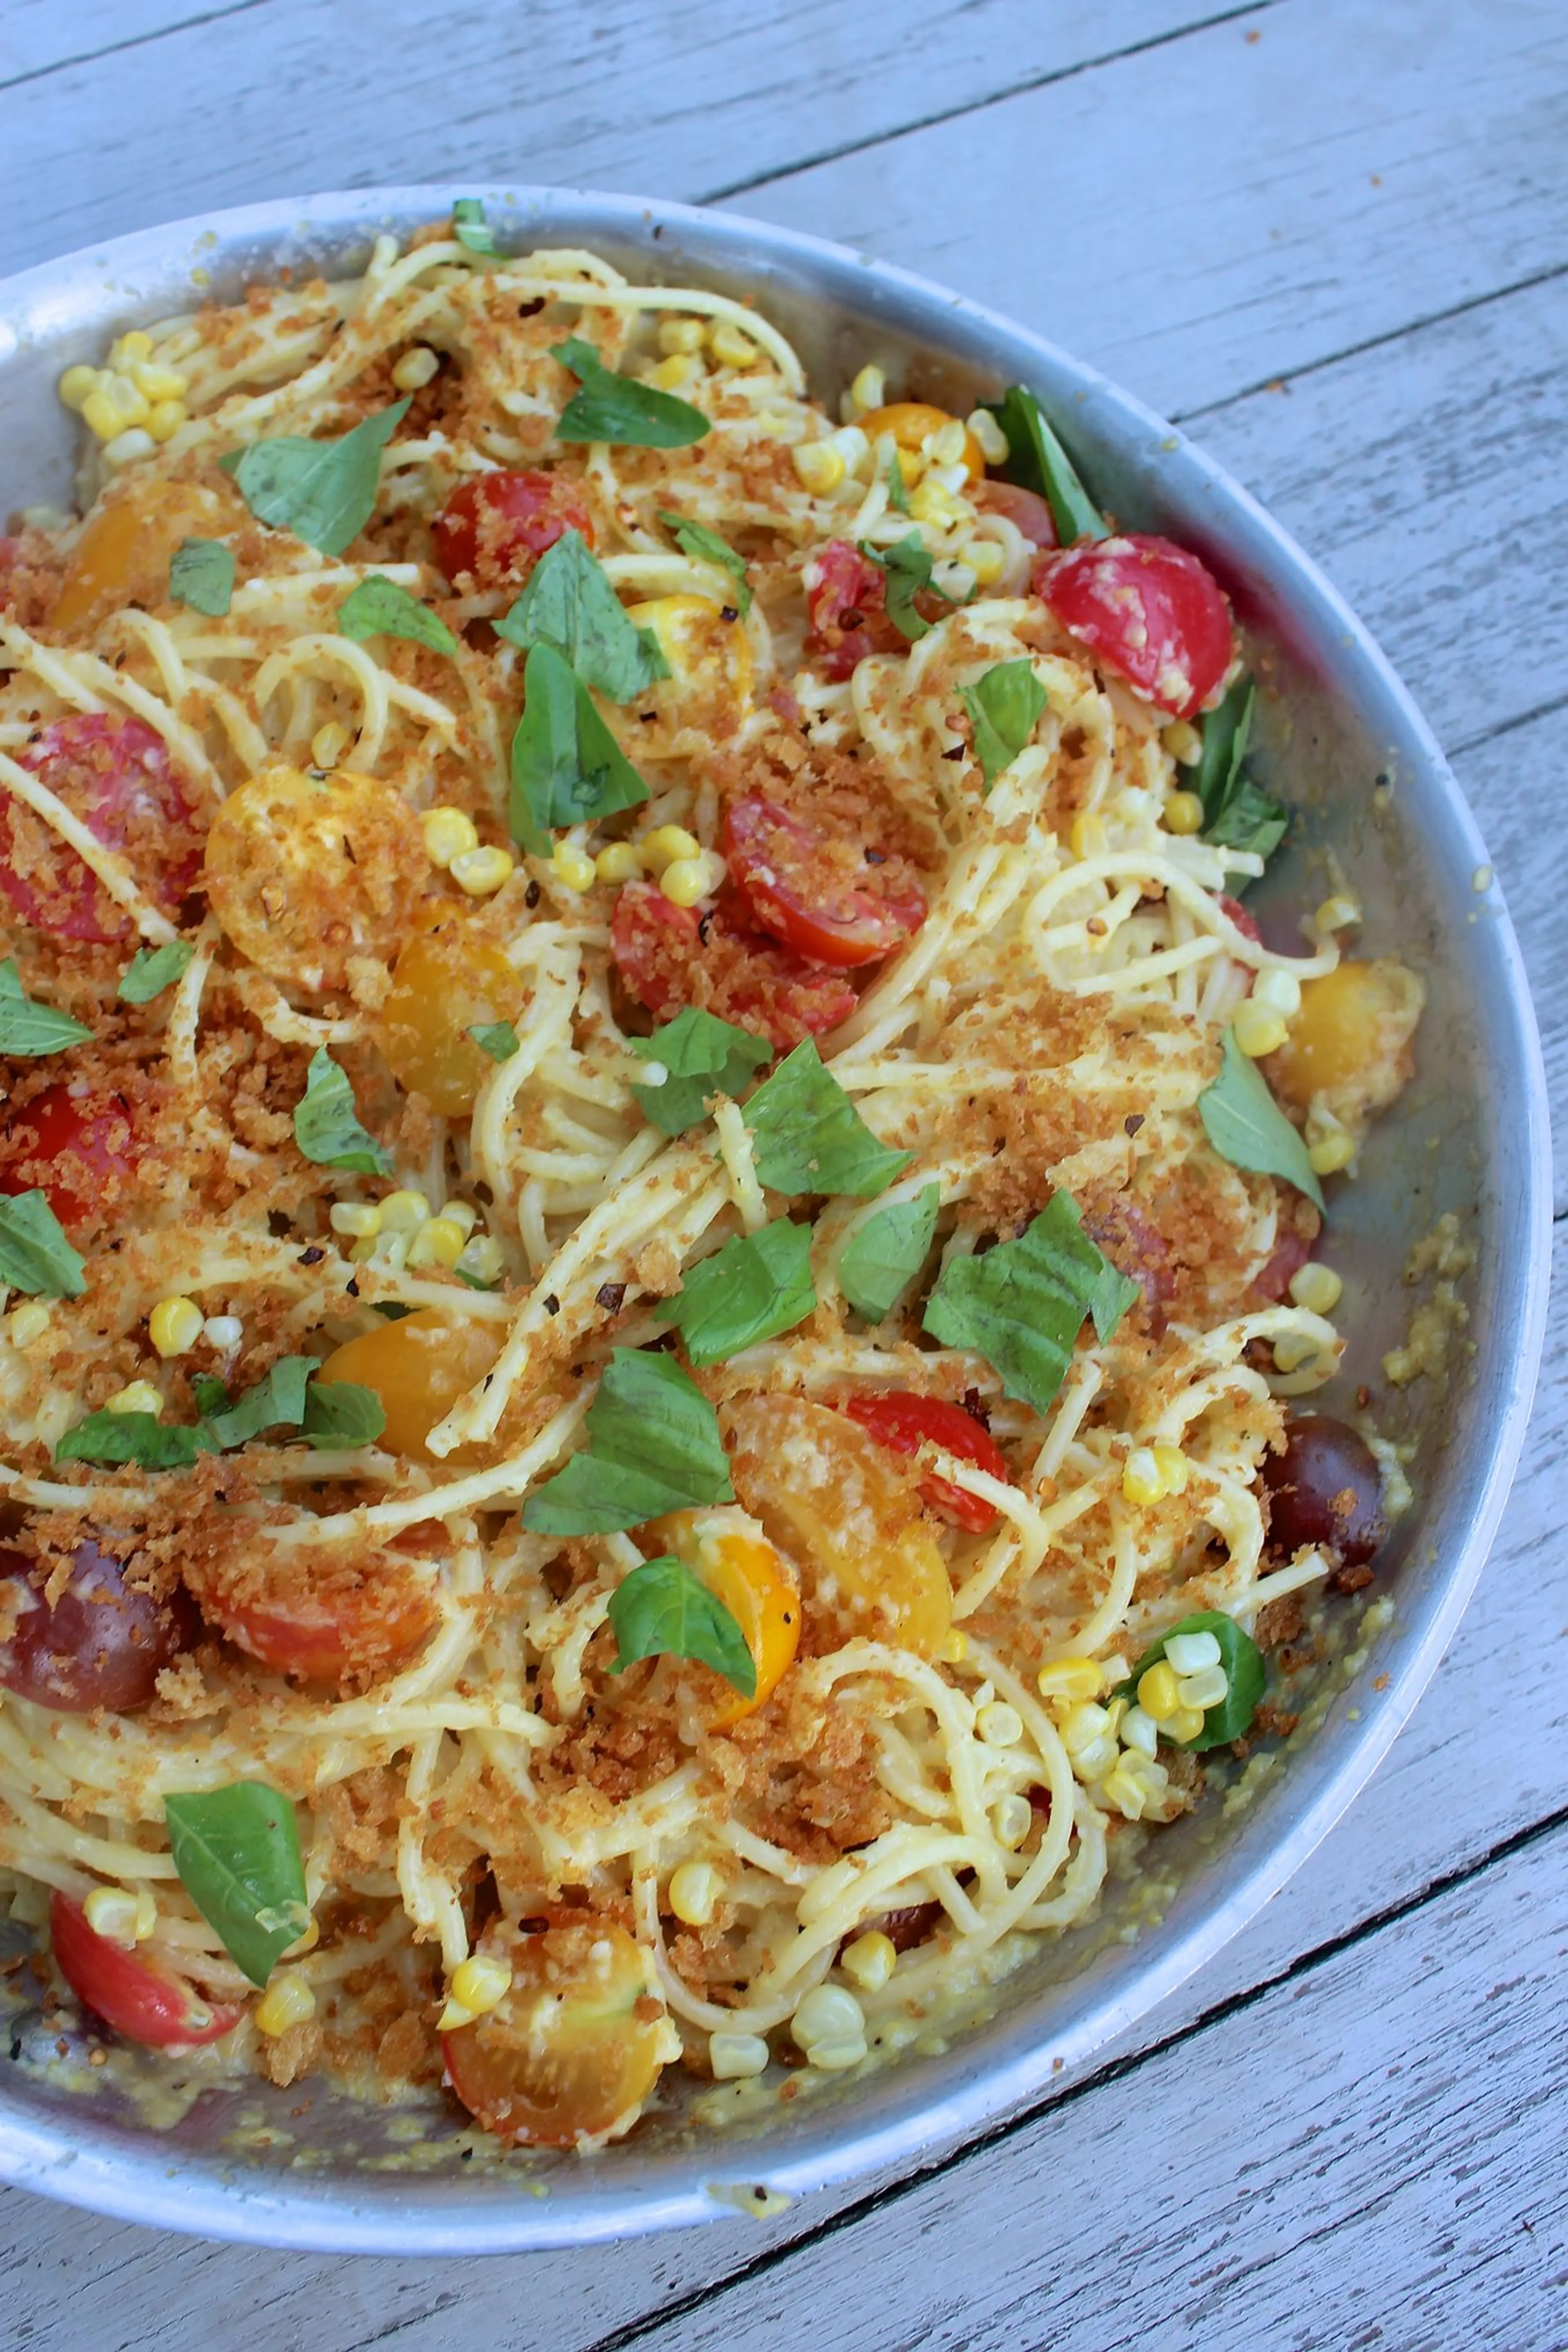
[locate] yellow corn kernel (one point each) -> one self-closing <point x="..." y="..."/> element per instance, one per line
<point x="1088" y="837"/>
<point x="1082" y="1726"/>
<point x="1256" y="1029"/>
<point x="1278" y="992"/>
<point x="827" y="2015"/>
<point x="113" y="405"/>
<point x="948" y="443"/>
<point x="993" y="441"/>
<point x="1069" y="1678"/>
<point x="694" y="1891"/>
<point x="480" y="873"/>
<point x="618" y="861"/>
<point x="1184" y="742"/>
<point x="682" y="334"/>
<point x="76" y="384"/>
<point x="1330" y="1154"/>
<point x="999" y="1725"/>
<point x="129" y="347"/>
<point x="140" y="1396"/>
<point x="328" y="745"/>
<point x="440" y="1242"/>
<point x="404" y="1212"/>
<point x="931" y="502"/>
<point x="854" y="448"/>
<point x="447" y="833"/>
<point x="726" y="342"/>
<point x="156" y="383"/>
<point x="670" y="374"/>
<point x="1141" y="1481"/>
<point x="362" y="1219"/>
<point x="416" y="369"/>
<point x="685" y="880"/>
<point x="481" y="1983"/>
<point x="1123" y="1788"/>
<point x="484" y="1258"/>
<point x="286" y="2002"/>
<point x="124" y="1915"/>
<point x="955" y="580"/>
<point x="1204" y="1689"/>
<point x="870" y="1960"/>
<point x="912" y="462"/>
<point x="1316" y="1288"/>
<point x="26" y="1323"/>
<point x="985" y="560"/>
<point x="1158" y="1695"/>
<point x="665" y="844"/>
<point x="223" y="1332"/>
<point x="1337" y="914"/>
<point x="174" y="1326"/>
<point x="819" y="465"/>
<point x="869" y="390"/>
<point x="954" y="1648"/>
<point x="735" y="2057"/>
<point x="461" y="1214"/>
<point x="1012" y="1818"/>
<point x="126" y="447"/>
<point x="1183" y="813"/>
<point x="571" y="868"/>
<point x="1173" y="1468"/>
<point x="1184" y="1723"/>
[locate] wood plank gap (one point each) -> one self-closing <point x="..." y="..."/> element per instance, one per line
<point x="1307" y="1963"/>
<point x="1500" y="734"/>
<point x="138" y="41"/>
<point x="979" y="105"/>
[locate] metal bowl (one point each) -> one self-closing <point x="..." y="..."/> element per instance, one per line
<point x="1342" y="739"/>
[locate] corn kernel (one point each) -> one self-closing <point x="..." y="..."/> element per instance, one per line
<point x="174" y="1326"/>
<point x="931" y="502"/>
<point x="1069" y="1678"/>
<point x="837" y="2057"/>
<point x="1256" y="1029"/>
<point x="1123" y="1788"/>
<point x="484" y="1259"/>
<point x="481" y="1983"/>
<point x="1082" y="1726"/>
<point x="682" y="334"/>
<point x="912" y="462"/>
<point x="113" y="405"/>
<point x="726" y="342"/>
<point x="827" y="2014"/>
<point x="438" y="1242"/>
<point x="328" y="745"/>
<point x="1203" y="1690"/>
<point x="416" y="369"/>
<point x="26" y="1323"/>
<point x="165" y="417"/>
<point x="1141" y="1481"/>
<point x="870" y="390"/>
<point x="1012" y="1818"/>
<point x="1192" y="1653"/>
<point x="223" y="1332"/>
<point x="1183" y="813"/>
<point x="1139" y="1731"/>
<point x="461" y="1214"/>
<point x="1316" y="1288"/>
<point x="665" y="844"/>
<point x="999" y="1725"/>
<point x="155" y="381"/>
<point x="1088" y="837"/>
<point x="954" y="1648"/>
<point x="140" y="1396"/>
<point x="1182" y="741"/>
<point x="735" y="2057"/>
<point x="1278" y="992"/>
<point x="1337" y="914"/>
<point x="1332" y="1153"/>
<point x="618" y="862"/>
<point x="819" y="465"/>
<point x="447" y="833"/>
<point x="989" y="434"/>
<point x="1115" y="1710"/>
<point x="985" y="560"/>
<point x="694" y="1891"/>
<point x="870" y="1960"/>
<point x="685" y="880"/>
<point x="1173" y="1468"/>
<point x="1157" y="1692"/>
<point x="404" y="1212"/>
<point x="123" y="1915"/>
<point x="954" y="579"/>
<point x="126" y="448"/>
<point x="480" y="873"/>
<point x="1183" y="1724"/>
<point x="76" y="384"/>
<point x="286" y="2002"/>
<point x="668" y="375"/>
<point x="948" y="445"/>
<point x="134" y="344"/>
<point x="1092" y="1763"/>
<point x="854" y="448"/>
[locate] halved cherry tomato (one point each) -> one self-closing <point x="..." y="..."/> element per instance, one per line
<point x="327" y="1620"/>
<point x="848" y="602"/>
<point x="573" y="2048"/>
<point x="809" y="892"/>
<point x="905" y="1423"/>
<point x="101" y="1644"/>
<point x="730" y="1555"/>
<point x="912" y="423"/>
<point x="77" y="1147"/>
<point x="670" y="956"/>
<point x="829" y="1498"/>
<point x="1273" y="1279"/>
<point x="116" y="775"/>
<point x="1351" y="1040"/>
<point x="135" y="1995"/>
<point x="444" y="983"/>
<point x="1148" y="610"/>
<point x="126" y="544"/>
<point x="1239" y="916"/>
<point x="494" y="527"/>
<point x="1025" y="510"/>
<point x="307" y="872"/>
<point x="418" y="1366"/>
<point x="709" y="681"/>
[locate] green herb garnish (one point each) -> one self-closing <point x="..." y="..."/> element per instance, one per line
<point x="705" y="546"/>
<point x="35" y="1256"/>
<point x="323" y="491"/>
<point x="1037" y="461"/>
<point x="152" y="970"/>
<point x="566" y="766"/>
<point x="1022" y="1305"/>
<point x="653" y="1446"/>
<point x="499" y="1039"/>
<point x="570" y="604"/>
<point x="662" y="1609"/>
<point x="378" y="607"/>
<point x="1003" y="707"/>
<point x="237" y="1853"/>
<point x="888" y="1252"/>
<point x="1236" y="814"/>
<point x="701" y="1055"/>
<point x="470" y="227"/>
<point x="326" y="1125"/>
<point x="809" y="1136"/>
<point x="1243" y="1662"/>
<point x="908" y="564"/>
<point x="614" y="409"/>
<point x="201" y="574"/>
<point x="1247" y="1126"/>
<point x="754" y="1287"/>
<point x="29" y="1031"/>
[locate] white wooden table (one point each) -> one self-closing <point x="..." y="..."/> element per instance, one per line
<point x="1332" y="236"/>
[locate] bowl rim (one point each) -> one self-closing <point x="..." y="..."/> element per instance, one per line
<point x="115" y="2171"/>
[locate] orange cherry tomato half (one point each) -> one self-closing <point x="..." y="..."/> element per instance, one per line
<point x="418" y="1366"/>
<point x="668" y="956"/>
<point x="1148" y="610"/>
<point x="79" y="1150"/>
<point x="135" y="1995"/>
<point x="906" y="1422"/>
<point x="808" y="892"/>
<point x="125" y="545"/>
<point x="575" y="2045"/>
<point x="912" y="422"/>
<point x="444" y="984"/>
<point x="494" y="527"/>
<point x="729" y="1554"/>
<point x="116" y="775"/>
<point x="322" y="1614"/>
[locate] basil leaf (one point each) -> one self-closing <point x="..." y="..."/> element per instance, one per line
<point x="897" y="497"/>
<point x="1225" y="730"/>
<point x="323" y="491"/>
<point x="35" y="1256"/>
<point x="1023" y="1304"/>
<point x="754" y="1287"/>
<point x="327" y="1128"/>
<point x="138" y="1437"/>
<point x="612" y="408"/>
<point x="237" y="1853"/>
<point x="1003" y="708"/>
<point x="566" y="766"/>
<point x="908" y="564"/>
<point x="201" y="574"/>
<point x="211" y="1394"/>
<point x="499" y="1039"/>
<point x="662" y="1609"/>
<point x="342" y="1413"/>
<point x="705" y="546"/>
<point x="1243" y="1662"/>
<point x="570" y="604"/>
<point x="1037" y="461"/>
<point x="809" y="1136"/>
<point x="276" y="1400"/>
<point x="152" y="970"/>
<point x="378" y="607"/>
<point x="1250" y="820"/>
<point x="888" y="1252"/>
<point x="653" y="1446"/>
<point x="29" y="1030"/>
<point x="1247" y="1126"/>
<point x="703" y="1055"/>
<point x="470" y="227"/>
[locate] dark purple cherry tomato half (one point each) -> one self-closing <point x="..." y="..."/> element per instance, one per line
<point x="1325" y="1488"/>
<point x="101" y="1645"/>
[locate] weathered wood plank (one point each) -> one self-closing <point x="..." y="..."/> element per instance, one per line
<point x="631" y="94"/>
<point x="1238" y="203"/>
<point x="37" y="36"/>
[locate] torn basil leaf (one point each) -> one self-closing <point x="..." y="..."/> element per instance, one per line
<point x="754" y="1287"/>
<point x="1247" y="1126"/>
<point x="661" y="1610"/>
<point x="201" y="574"/>
<point x="1236" y="814"/>
<point x="701" y="1055"/>
<point x="566" y="766"/>
<point x="1037" y="461"/>
<point x="887" y="1253"/>
<point x="152" y="970"/>
<point x="808" y="1137"/>
<point x="238" y="1853"/>
<point x="29" y="1031"/>
<point x="898" y="496"/>
<point x="614" y="409"/>
<point x="35" y="1256"/>
<point x="1003" y="707"/>
<point x="470" y="227"/>
<point x="1244" y="1673"/>
<point x="570" y="604"/>
<point x="342" y="1413"/>
<point x="326" y="1124"/>
<point x="323" y="491"/>
<point x="653" y="1446"/>
<point x="115" y="1438"/>
<point x="499" y="1039"/>
<point x="705" y="546"/>
<point x="908" y="564"/>
<point x="378" y="607"/>
<point x="1024" y="1303"/>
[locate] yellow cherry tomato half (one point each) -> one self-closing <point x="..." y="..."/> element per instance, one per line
<point x="418" y="1366"/>
<point x="730" y="1555"/>
<point x="444" y="983"/>
<point x="912" y="422"/>
<point x="1351" y="1040"/>
<point x="127" y="542"/>
<point x="709" y="684"/>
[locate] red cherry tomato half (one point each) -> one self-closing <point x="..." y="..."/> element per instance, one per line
<point x="848" y="602"/>
<point x="1148" y="610"/>
<point x="495" y="526"/>
<point x="670" y="956"/>
<point x="100" y="1644"/>
<point x="1274" y="1278"/>
<point x="77" y="1150"/>
<point x="133" y="1994"/>
<point x="808" y="892"/>
<point x="904" y="1424"/>
<point x="115" y="775"/>
<point x="1136" y="1247"/>
<point x="1025" y="510"/>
